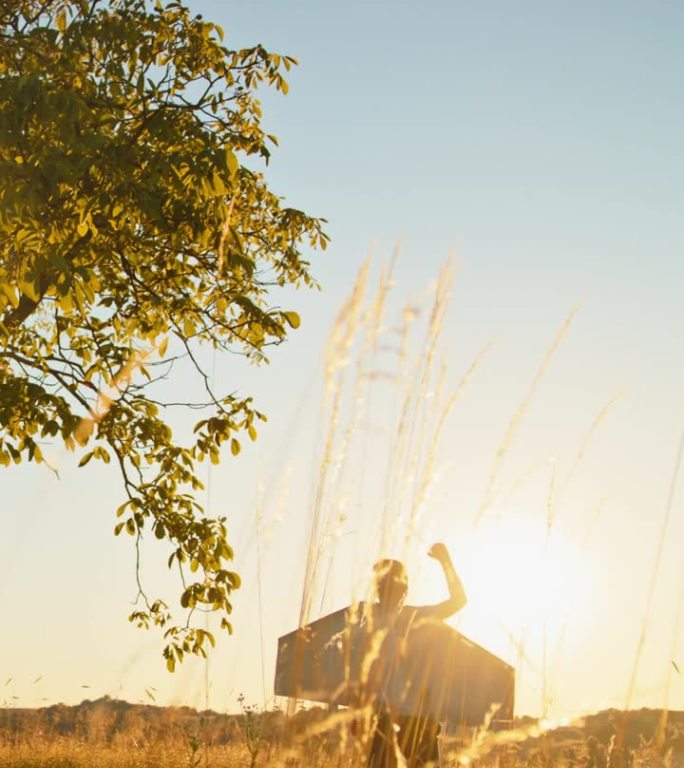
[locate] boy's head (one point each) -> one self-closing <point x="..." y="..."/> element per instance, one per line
<point x="391" y="584"/>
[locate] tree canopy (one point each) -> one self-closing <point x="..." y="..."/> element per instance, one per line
<point x="130" y="214"/>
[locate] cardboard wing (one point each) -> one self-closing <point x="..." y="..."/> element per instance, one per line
<point x="312" y="661"/>
<point x="452" y="678"/>
<point x="439" y="672"/>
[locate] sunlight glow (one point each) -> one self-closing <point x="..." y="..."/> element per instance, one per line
<point x="523" y="583"/>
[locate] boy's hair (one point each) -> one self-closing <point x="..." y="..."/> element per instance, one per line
<point x="389" y="574"/>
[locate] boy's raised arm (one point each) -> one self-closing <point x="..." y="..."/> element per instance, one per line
<point x="457" y="597"/>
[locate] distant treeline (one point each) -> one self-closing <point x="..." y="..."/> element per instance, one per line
<point x="120" y="723"/>
<point x="117" y="722"/>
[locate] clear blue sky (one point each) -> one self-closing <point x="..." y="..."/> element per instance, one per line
<point x="543" y="143"/>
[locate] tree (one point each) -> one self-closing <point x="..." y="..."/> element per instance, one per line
<point x="130" y="213"/>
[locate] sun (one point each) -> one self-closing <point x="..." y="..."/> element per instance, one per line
<point x="524" y="583"/>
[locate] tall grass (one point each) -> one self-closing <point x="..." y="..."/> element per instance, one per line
<point x="392" y="378"/>
<point x="417" y="375"/>
<point x="367" y="354"/>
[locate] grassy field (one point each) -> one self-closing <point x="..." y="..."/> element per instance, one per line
<point x="68" y="753"/>
<point x="72" y="754"/>
<point x="158" y="737"/>
<point x="114" y="734"/>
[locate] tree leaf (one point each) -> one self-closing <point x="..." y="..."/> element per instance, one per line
<point x="293" y="319"/>
<point x="232" y="163"/>
<point x="125" y="217"/>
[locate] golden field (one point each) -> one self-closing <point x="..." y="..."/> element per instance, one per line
<point x="115" y="734"/>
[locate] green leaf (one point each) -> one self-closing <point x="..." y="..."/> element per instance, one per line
<point x="10" y="292"/>
<point x="232" y="163"/>
<point x="122" y="509"/>
<point x="86" y="459"/>
<point x="188" y="328"/>
<point x="29" y="290"/>
<point x="217" y="184"/>
<point x="125" y="217"/>
<point x="293" y="319"/>
<point x="235" y="580"/>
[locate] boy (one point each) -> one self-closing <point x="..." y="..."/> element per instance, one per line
<point x="390" y="621"/>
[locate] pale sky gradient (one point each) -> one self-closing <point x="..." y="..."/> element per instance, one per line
<point x="543" y="144"/>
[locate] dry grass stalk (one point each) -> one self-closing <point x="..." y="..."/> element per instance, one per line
<point x="519" y="416"/>
<point x="341" y="339"/>
<point x="654" y="572"/>
<point x="596" y="423"/>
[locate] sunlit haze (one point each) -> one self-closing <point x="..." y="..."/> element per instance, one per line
<point x="538" y="149"/>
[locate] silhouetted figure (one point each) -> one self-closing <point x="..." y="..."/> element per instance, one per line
<point x="416" y="736"/>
